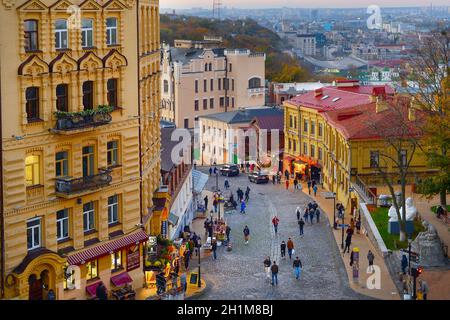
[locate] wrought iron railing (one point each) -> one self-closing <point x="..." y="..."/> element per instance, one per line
<point x="76" y="185"/>
<point x="76" y="121"/>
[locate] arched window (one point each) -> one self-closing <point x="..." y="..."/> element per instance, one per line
<point x="254" y="83"/>
<point x="206" y="67"/>
<point x="210" y="66"/>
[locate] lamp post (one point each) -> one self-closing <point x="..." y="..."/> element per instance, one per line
<point x="409" y="255"/>
<point x="217" y="180"/>
<point x="199" y="274"/>
<point x="343" y="216"/>
<point x="334" y="211"/>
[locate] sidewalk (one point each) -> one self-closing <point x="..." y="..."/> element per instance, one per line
<point x="388" y="289"/>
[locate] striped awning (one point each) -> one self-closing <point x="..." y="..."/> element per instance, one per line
<point x="107" y="248"/>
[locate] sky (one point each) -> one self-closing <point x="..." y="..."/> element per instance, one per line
<point x="183" y="4"/>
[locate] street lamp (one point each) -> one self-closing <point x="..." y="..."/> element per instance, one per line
<point x="342" y="212"/>
<point x="409" y="255"/>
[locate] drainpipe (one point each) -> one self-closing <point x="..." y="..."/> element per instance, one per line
<point x="226" y="84"/>
<point x="2" y="221"/>
<point x="141" y="183"/>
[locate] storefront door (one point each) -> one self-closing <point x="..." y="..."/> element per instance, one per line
<point x="35" y="289"/>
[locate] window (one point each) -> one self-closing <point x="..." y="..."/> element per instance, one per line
<point x="221" y="101"/>
<point x="305" y="125"/>
<point x="206" y="67"/>
<point x="61" y="34"/>
<point x="403" y="158"/>
<point x="313" y="151"/>
<point x="205" y="104"/>
<point x="87" y="27"/>
<point x="232" y="102"/>
<point x="186" y="123"/>
<point x="62" y="224"/>
<point x="295" y="122"/>
<point x="32" y="104"/>
<point x="32" y="170"/>
<point x="313" y="127"/>
<point x="226" y="85"/>
<point x="227" y="101"/>
<point x="290" y="121"/>
<point x="116" y="260"/>
<point x="230" y="67"/>
<point x="232" y="84"/>
<point x="111" y="86"/>
<point x="374" y="159"/>
<point x="62" y="97"/>
<point x="88" y="216"/>
<point x="289" y="144"/>
<point x="62" y="164"/>
<point x="210" y="66"/>
<point x="88" y="95"/>
<point x="92" y="269"/>
<point x="219" y="83"/>
<point x="211" y="103"/>
<point x="320" y="130"/>
<point x="305" y="148"/>
<point x="113" y="209"/>
<point x="88" y="161"/>
<point x="166" y="86"/>
<point x="113" y="153"/>
<point x="254" y="83"/>
<point x="111" y="31"/>
<point x="319" y="153"/>
<point x="34" y="233"/>
<point x="211" y="85"/>
<point x="196" y="105"/>
<point x="196" y="86"/>
<point x="31" y="35"/>
<point x="205" y="85"/>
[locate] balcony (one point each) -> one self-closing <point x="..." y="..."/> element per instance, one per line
<point x="69" y="187"/>
<point x="256" y="91"/>
<point x="74" y="122"/>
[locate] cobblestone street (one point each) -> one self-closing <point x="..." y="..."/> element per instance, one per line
<point x="239" y="274"/>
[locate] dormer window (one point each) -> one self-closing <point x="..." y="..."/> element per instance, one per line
<point x="324" y="97"/>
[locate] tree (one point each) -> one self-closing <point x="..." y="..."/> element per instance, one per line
<point x="429" y="84"/>
<point x="398" y="128"/>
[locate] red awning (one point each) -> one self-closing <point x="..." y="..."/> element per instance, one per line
<point x="107" y="248"/>
<point x="92" y="289"/>
<point x="121" y="279"/>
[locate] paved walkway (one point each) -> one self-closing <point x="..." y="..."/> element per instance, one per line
<point x="239" y="274"/>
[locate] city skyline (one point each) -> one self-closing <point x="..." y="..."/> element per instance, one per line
<point x="242" y="4"/>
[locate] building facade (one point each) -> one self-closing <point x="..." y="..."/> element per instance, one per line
<point x="71" y="136"/>
<point x="201" y="80"/>
<point x="306" y="44"/>
<point x="327" y="138"/>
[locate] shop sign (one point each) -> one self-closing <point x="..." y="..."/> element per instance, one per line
<point x="133" y="257"/>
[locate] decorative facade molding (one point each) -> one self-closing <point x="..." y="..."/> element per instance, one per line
<point x="33" y="6"/>
<point x="33" y="66"/>
<point x="9" y="4"/>
<point x="114" y="5"/>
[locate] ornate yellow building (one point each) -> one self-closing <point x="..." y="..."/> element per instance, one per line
<point x="79" y="143"/>
<point x="328" y="139"/>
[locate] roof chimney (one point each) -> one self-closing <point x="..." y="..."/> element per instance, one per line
<point x="318" y="92"/>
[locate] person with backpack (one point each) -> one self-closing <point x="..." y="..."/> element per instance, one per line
<point x="315" y="190"/>
<point x="274" y="270"/>
<point x="370" y="258"/>
<point x="246" y="234"/>
<point x="297" y="265"/>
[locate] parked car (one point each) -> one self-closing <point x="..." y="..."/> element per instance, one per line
<point x="258" y="177"/>
<point x="229" y="170"/>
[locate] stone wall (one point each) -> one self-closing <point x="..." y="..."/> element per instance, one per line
<point x="370" y="230"/>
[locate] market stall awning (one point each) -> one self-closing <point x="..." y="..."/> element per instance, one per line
<point x="107" y="248"/>
<point x="199" y="180"/>
<point x="121" y="279"/>
<point x="173" y="219"/>
<point x="92" y="289"/>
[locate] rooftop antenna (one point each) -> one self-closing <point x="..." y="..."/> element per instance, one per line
<point x="217" y="4"/>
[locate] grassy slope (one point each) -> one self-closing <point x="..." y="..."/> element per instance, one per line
<point x="247" y="33"/>
<point x="381" y="218"/>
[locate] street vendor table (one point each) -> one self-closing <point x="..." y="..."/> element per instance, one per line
<point x="124" y="294"/>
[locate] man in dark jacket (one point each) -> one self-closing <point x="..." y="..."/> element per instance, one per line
<point x="267" y="264"/>
<point x="283" y="249"/>
<point x="297" y="265"/>
<point x="227" y="232"/>
<point x="206" y="203"/>
<point x="348" y="242"/>
<point x="214" y="249"/>
<point x="246" y="234"/>
<point x="301" y="223"/>
<point x="274" y="270"/>
<point x="101" y="292"/>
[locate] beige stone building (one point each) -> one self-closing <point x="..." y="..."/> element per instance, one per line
<point x="75" y="115"/>
<point x="198" y="80"/>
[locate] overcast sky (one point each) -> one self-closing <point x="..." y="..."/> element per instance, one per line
<point x="298" y="3"/>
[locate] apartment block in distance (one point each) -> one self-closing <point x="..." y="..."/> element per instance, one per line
<point x="70" y="124"/>
<point x="200" y="79"/>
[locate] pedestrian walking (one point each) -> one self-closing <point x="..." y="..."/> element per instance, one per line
<point x="160" y="283"/>
<point x="301" y="224"/>
<point x="290" y="247"/>
<point x="101" y="292"/>
<point x="404" y="263"/>
<point x="297" y="211"/>
<point x="286" y="174"/>
<point x="287" y="184"/>
<point x="311" y="215"/>
<point x="205" y="199"/>
<point x="423" y="289"/>
<point x="358" y="226"/>
<point x="243" y="206"/>
<point x="295" y="183"/>
<point x="309" y="186"/>
<point x="275" y="221"/>
<point x="297" y="265"/>
<point x="348" y="242"/>
<point x="279" y="177"/>
<point x="247" y="166"/>
<point x="183" y="282"/>
<point x="370" y="258"/>
<point x="246" y="234"/>
<point x="215" y="204"/>
<point x="226" y="184"/>
<point x="315" y="190"/>
<point x="274" y="270"/>
<point x="317" y="212"/>
<point x="215" y="170"/>
<point x="187" y="256"/>
<point x="210" y="171"/>
<point x="227" y="232"/>
<point x="283" y="249"/>
<point x="273" y="179"/>
<point x="214" y="248"/>
<point x="267" y="264"/>
<point x="247" y="194"/>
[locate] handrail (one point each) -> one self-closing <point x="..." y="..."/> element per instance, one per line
<point x="75" y="185"/>
<point x="367" y="192"/>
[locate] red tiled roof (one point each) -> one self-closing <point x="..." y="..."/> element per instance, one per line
<point x="367" y="89"/>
